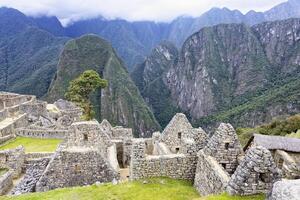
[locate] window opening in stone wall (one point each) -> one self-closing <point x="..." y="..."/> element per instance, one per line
<point x="85" y="137"/>
<point x="77" y="168"/>
<point x="177" y="150"/>
<point x="179" y="135"/>
<point x="6" y="158"/>
<point x="227" y="145"/>
<point x="224" y="165"/>
<point x="280" y="163"/>
<point x="263" y="177"/>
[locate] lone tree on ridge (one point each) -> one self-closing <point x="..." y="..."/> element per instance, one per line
<point x="81" y="88"/>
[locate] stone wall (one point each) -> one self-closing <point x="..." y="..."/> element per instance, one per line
<point x="5" y="138"/>
<point x="76" y="168"/>
<point x="43" y="133"/>
<point x="174" y="131"/>
<point x="37" y="155"/>
<point x="36" y="108"/>
<point x="6" y="182"/>
<point x="211" y="177"/>
<point x="178" y="166"/>
<point x="256" y="173"/>
<point x="3" y="114"/>
<point x="289" y="166"/>
<point x="33" y="173"/>
<point x="199" y="136"/>
<point x="119" y="132"/>
<point x="10" y="126"/>
<point x="225" y="147"/>
<point x="13" y="159"/>
<point x="88" y="134"/>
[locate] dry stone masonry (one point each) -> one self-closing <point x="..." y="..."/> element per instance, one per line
<point x="256" y="173"/>
<point x="93" y="152"/>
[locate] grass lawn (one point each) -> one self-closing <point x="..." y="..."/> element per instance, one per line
<point x="156" y="188"/>
<point x="3" y="171"/>
<point x="32" y="144"/>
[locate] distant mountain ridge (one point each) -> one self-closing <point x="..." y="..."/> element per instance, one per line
<point x="135" y="40"/>
<point x="28" y="55"/>
<point x="120" y="103"/>
<point x="229" y="72"/>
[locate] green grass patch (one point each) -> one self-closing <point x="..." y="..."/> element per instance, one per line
<point x="156" y="188"/>
<point x="228" y="197"/>
<point x="32" y="144"/>
<point x="3" y="171"/>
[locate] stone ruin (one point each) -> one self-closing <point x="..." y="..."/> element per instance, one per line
<point x="95" y="153"/>
<point x="172" y="153"/>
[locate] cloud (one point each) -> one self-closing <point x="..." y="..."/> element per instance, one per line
<point x="132" y="10"/>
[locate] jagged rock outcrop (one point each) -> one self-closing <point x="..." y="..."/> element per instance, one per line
<point x="120" y="103"/>
<point x="234" y="73"/>
<point x="148" y="76"/>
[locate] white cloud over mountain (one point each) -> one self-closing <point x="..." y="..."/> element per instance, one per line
<point x="132" y="10"/>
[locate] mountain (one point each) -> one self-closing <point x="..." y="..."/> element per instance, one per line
<point x="121" y="102"/>
<point x="50" y="24"/>
<point x="233" y="72"/>
<point x="133" y="41"/>
<point x="28" y="55"/>
<point x="148" y="77"/>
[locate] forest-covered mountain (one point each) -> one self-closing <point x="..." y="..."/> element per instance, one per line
<point x="28" y="55"/>
<point x="133" y="41"/>
<point x="229" y="72"/>
<point x="120" y="103"/>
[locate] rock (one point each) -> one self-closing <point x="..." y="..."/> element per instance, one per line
<point x="285" y="190"/>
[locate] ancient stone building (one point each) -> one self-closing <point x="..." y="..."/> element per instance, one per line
<point x="211" y="177"/>
<point x="225" y="147"/>
<point x="93" y="152"/>
<point x="172" y="153"/>
<point x="285" y="151"/>
<point x="84" y="158"/>
<point x="256" y="173"/>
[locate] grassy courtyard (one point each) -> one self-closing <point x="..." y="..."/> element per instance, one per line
<point x="158" y="188"/>
<point x="32" y="144"/>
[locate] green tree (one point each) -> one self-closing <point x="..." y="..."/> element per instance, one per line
<point x="81" y="88"/>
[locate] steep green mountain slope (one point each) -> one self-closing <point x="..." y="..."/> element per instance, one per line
<point x="148" y="76"/>
<point x="232" y="72"/>
<point x="120" y="102"/>
<point x="28" y="55"/>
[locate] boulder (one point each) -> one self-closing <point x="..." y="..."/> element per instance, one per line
<point x="285" y="189"/>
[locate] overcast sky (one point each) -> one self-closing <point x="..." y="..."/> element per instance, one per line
<point x="132" y="10"/>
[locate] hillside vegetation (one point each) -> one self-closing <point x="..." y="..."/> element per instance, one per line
<point x="120" y="102"/>
<point x="289" y="127"/>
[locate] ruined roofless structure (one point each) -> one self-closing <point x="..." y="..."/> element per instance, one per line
<point x="92" y="152"/>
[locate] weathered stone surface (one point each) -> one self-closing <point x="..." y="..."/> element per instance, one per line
<point x="211" y="177"/>
<point x="6" y="182"/>
<point x="33" y="173"/>
<point x="285" y="190"/>
<point x="256" y="173"/>
<point x="225" y="147"/>
<point x="76" y="167"/>
<point x="13" y="159"/>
